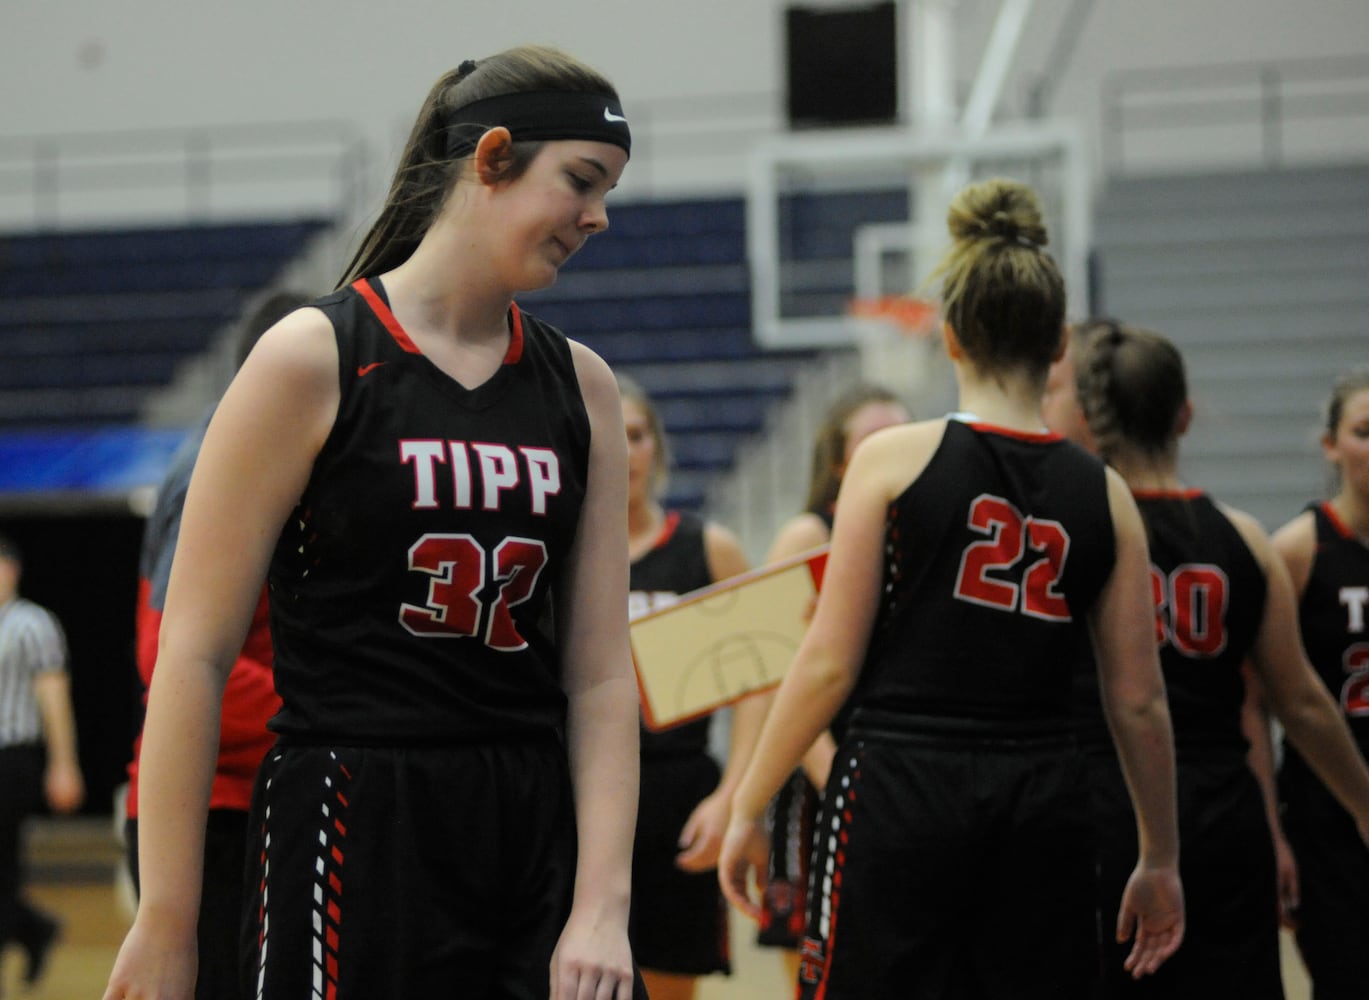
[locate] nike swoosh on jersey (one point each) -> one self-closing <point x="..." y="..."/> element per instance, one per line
<point x="363" y="370"/>
<point x="609" y="116"/>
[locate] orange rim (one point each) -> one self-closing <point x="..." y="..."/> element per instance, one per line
<point x="912" y="315"/>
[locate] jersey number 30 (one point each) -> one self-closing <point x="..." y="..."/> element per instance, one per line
<point x="1190" y="608"/>
<point x="462" y="573"/>
<point x="1010" y="536"/>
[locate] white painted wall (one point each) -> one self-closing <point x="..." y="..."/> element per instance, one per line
<point x="77" y="66"/>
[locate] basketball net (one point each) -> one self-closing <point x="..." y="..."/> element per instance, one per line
<point x="907" y="314"/>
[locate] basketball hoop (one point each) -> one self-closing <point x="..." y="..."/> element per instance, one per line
<point x="909" y="315"/>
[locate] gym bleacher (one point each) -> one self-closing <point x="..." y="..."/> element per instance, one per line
<point x="93" y="322"/>
<point x="665" y="296"/>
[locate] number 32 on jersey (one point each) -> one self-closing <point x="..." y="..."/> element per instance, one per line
<point x="471" y="592"/>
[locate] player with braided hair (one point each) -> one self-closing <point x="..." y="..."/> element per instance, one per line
<point x="1222" y="596"/>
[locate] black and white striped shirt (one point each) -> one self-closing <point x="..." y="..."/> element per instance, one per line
<point x="31" y="643"/>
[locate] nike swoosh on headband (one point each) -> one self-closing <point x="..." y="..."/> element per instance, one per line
<point x="538" y="116"/>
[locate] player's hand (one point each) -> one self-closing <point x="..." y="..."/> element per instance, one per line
<point x="593" y="958"/>
<point x="63" y="787"/>
<point x="701" y="838"/>
<point x="745" y="851"/>
<point x="154" y="963"/>
<point x="1153" y="909"/>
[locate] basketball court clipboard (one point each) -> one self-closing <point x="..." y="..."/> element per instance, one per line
<point x="721" y="643"/>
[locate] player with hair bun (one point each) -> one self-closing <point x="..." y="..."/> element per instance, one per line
<point x="969" y="555"/>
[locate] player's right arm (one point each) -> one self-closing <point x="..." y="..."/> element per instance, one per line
<point x="1133" y="691"/>
<point x="253" y="467"/>
<point x="830" y="655"/>
<point x="1255" y="726"/>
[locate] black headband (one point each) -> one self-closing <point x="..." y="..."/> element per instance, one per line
<point x="555" y="114"/>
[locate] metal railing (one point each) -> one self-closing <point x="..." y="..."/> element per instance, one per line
<point x="1258" y="102"/>
<point x="321" y="168"/>
<point x="191" y="174"/>
<point x="198" y="173"/>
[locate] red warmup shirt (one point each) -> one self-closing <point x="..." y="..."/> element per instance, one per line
<point x="249" y="701"/>
<point x="249" y="697"/>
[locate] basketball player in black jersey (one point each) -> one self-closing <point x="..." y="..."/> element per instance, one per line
<point x="436" y="484"/>
<point x="678" y="927"/>
<point x="1222" y="596"/>
<point x="968" y="555"/>
<point x="1326" y="549"/>
<point x="1062" y="413"/>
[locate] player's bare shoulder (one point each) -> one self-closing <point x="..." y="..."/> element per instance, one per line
<point x="799" y="534"/>
<point x="1296" y="543"/>
<point x="897" y="455"/>
<point x="1251" y="531"/>
<point x="302" y="343"/>
<point x="597" y="384"/>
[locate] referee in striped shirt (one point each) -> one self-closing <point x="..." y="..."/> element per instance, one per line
<point x="37" y="749"/>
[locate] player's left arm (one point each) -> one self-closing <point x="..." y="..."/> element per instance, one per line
<point x="602" y="726"/>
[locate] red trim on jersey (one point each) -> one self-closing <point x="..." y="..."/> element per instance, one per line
<point x="1177" y="493"/>
<point x="1043" y="437"/>
<point x="511" y="356"/>
<point x="672" y="521"/>
<point x="515" y="352"/>
<point x="383" y="314"/>
<point x="1342" y="529"/>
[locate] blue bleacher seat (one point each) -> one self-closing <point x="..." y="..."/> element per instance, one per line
<point x="92" y="322"/>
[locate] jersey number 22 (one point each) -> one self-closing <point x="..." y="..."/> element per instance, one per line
<point x="1010" y="537"/>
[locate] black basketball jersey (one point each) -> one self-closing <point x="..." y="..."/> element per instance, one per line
<point x="407" y="587"/>
<point x="1334" y="617"/>
<point x="676" y="564"/>
<point x="1209" y="601"/>
<point x="1209" y="594"/>
<point x="993" y="559"/>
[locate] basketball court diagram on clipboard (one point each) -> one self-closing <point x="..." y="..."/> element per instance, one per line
<point x="718" y="644"/>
